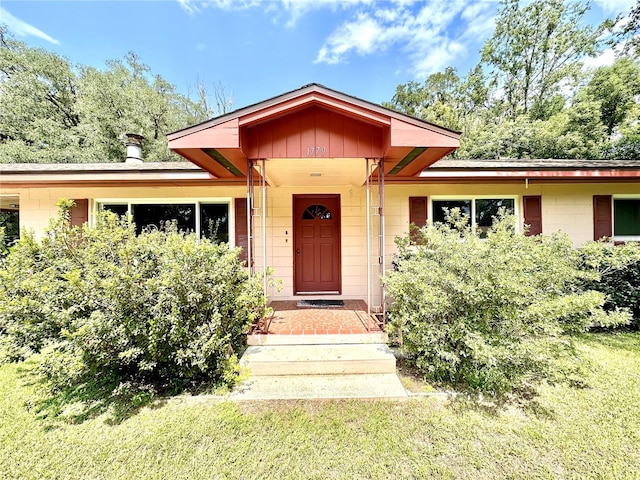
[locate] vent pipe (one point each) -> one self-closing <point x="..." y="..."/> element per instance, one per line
<point x="134" y="148"/>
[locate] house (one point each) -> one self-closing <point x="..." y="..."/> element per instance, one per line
<point x="331" y="180"/>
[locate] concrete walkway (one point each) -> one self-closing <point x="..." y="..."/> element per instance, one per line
<point x="318" y="353"/>
<point x="325" y="371"/>
<point x="383" y="386"/>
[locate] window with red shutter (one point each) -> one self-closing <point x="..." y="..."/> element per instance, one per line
<point x="79" y="212"/>
<point x="532" y="210"/>
<point x="418" y="211"/>
<point x="242" y="236"/>
<point x="602" y="217"/>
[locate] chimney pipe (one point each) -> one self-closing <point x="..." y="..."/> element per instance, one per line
<point x="134" y="148"/>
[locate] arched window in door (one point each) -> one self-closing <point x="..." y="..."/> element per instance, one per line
<point x="317" y="211"/>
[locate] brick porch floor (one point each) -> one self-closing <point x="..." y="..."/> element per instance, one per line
<point x="289" y="319"/>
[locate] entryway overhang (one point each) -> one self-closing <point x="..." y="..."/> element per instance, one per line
<point x="316" y="137"/>
<point x="309" y="129"/>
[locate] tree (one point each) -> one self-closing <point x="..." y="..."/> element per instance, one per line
<point x="53" y="111"/>
<point x="444" y="98"/>
<point x="536" y="49"/>
<point x="38" y="112"/>
<point x="630" y="33"/>
<point x="126" y="97"/>
<point x="616" y="88"/>
<point x="523" y="100"/>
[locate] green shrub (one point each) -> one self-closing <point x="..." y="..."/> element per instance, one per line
<point x="491" y="313"/>
<point x="619" y="275"/>
<point x="161" y="308"/>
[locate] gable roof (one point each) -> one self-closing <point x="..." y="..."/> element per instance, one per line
<point x="283" y="126"/>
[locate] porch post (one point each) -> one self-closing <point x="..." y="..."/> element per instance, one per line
<point x="381" y="237"/>
<point x="261" y="212"/>
<point x="368" y="215"/>
<point x="250" y="245"/>
<point x="263" y="188"/>
<point x="376" y="210"/>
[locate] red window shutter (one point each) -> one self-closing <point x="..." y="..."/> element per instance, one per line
<point x="79" y="212"/>
<point x="418" y="211"/>
<point x="242" y="237"/>
<point x="602" y="217"/>
<point x="532" y="208"/>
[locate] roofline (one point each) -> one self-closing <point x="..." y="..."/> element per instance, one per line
<point x="184" y="173"/>
<point x="533" y="164"/>
<point x="66" y="174"/>
<point x="145" y="167"/>
<point x="312" y="87"/>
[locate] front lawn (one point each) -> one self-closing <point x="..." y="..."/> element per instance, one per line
<point x="565" y="432"/>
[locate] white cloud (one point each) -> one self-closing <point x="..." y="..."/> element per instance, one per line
<point x="298" y="8"/>
<point x="616" y="6"/>
<point x="193" y="6"/>
<point x="22" y="28"/>
<point x="363" y="35"/>
<point x="439" y="57"/>
<point x="605" y="59"/>
<point x="432" y="33"/>
<point x="294" y="9"/>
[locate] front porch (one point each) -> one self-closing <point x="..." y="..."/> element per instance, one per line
<point x="302" y="352"/>
<point x="314" y="163"/>
<point x="319" y="353"/>
<point x="292" y="324"/>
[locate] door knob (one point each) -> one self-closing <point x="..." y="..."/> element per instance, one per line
<point x="298" y="252"/>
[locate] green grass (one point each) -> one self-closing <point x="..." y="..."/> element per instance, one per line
<point x="565" y="432"/>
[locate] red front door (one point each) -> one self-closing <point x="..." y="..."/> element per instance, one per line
<point x="316" y="249"/>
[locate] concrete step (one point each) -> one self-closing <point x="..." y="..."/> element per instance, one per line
<point x="341" y="359"/>
<point x="384" y="386"/>
<point x="319" y="339"/>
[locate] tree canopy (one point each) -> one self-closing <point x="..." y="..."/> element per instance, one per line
<point x="54" y="111"/>
<point x="531" y="95"/>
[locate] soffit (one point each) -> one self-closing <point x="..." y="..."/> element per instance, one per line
<point x="281" y="172"/>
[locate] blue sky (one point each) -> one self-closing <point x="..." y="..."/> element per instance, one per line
<point x="257" y="49"/>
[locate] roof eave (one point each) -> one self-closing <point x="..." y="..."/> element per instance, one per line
<point x="305" y="90"/>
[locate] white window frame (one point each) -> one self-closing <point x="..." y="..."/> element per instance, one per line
<point x="622" y="238"/>
<point x="197" y="201"/>
<point x="473" y="198"/>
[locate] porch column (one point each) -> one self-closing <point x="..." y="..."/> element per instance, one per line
<point x="259" y="211"/>
<point x="375" y="249"/>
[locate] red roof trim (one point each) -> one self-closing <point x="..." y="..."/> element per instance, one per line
<point x="317" y="93"/>
<point x="523" y="174"/>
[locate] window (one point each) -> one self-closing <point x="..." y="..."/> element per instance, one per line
<point x="317" y="211"/>
<point x="119" y="209"/>
<point x="214" y="221"/>
<point x="157" y="217"/>
<point x="487" y="209"/>
<point x="207" y="219"/>
<point x="626" y="219"/>
<point x="440" y="208"/>
<point x="479" y="210"/>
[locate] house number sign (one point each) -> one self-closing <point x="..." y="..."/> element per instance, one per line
<point x="318" y="151"/>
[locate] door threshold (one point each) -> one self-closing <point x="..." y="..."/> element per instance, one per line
<point x="318" y="293"/>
